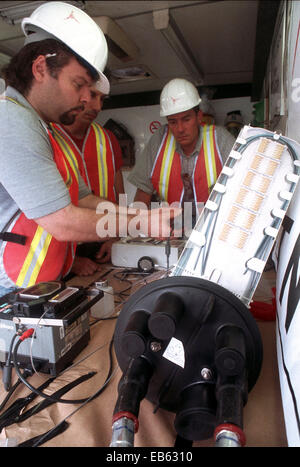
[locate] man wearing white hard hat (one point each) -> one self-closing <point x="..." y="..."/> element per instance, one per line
<point x="99" y="159"/>
<point x="183" y="159"/>
<point x="45" y="206"/>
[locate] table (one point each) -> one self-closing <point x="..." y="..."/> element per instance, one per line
<point x="90" y="425"/>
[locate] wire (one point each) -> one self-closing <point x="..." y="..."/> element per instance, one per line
<point x="81" y="401"/>
<point x="31" y="343"/>
<point x="9" y="394"/>
<point x="35" y="390"/>
<point x="111" y="373"/>
<point x="7" y="369"/>
<point x="98" y="320"/>
<point x="27" y="373"/>
<point x="85" y="357"/>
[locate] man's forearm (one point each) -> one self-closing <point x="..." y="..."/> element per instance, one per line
<point x="79" y="224"/>
<point x="91" y="202"/>
<point x="96" y="203"/>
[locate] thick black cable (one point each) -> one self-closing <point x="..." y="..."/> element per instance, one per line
<point x="7" y="369"/>
<point x="56" y="430"/>
<point x="9" y="394"/>
<point x="8" y="360"/>
<point x="35" y="390"/>
<point x="19" y="416"/>
<point x="21" y="403"/>
<point x="38" y="440"/>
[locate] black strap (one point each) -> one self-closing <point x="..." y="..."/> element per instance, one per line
<point x="41" y="439"/>
<point x="14" y="410"/>
<point x="46" y="402"/>
<point x="13" y="238"/>
<point x="14" y="415"/>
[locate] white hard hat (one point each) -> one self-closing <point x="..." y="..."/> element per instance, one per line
<point x="103" y="87"/>
<point x="178" y="95"/>
<point x="73" y="27"/>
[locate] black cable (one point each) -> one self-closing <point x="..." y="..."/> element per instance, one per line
<point x="168" y="252"/>
<point x="123" y="279"/>
<point x="35" y="390"/>
<point x="8" y="360"/>
<point x="17" y="414"/>
<point x="10" y="393"/>
<point x="7" y="369"/>
<point x="109" y="373"/>
<point x="102" y="319"/>
<point x="38" y="440"/>
<point x="15" y="409"/>
<point x="49" y="435"/>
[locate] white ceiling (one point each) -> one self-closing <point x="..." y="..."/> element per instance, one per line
<point x="219" y="34"/>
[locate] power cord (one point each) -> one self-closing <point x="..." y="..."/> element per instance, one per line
<point x="7" y="369"/>
<point x="61" y="426"/>
<point x="27" y="334"/>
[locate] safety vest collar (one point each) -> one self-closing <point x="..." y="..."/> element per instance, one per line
<point x="166" y="171"/>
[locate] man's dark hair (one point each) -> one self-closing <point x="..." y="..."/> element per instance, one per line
<point x="18" y="73"/>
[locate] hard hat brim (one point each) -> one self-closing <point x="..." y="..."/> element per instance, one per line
<point x="39" y="35"/>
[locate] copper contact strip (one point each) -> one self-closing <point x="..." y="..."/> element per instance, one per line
<point x="263" y="144"/>
<point x="278" y="151"/>
<point x="241" y="217"/>
<point x="225" y="232"/>
<point x="249" y="199"/>
<point x="266" y="147"/>
<point x="257" y="182"/>
<point x="263" y="165"/>
<point x="233" y="235"/>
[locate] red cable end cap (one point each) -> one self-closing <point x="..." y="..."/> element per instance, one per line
<point x="234" y="428"/>
<point x="27" y="334"/>
<point x="127" y="415"/>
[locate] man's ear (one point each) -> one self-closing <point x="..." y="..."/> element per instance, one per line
<point x="200" y="116"/>
<point x="39" y="68"/>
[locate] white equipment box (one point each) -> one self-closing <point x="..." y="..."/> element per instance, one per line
<point x="127" y="252"/>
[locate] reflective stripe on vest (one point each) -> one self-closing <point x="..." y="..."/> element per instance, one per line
<point x="97" y="143"/>
<point x="95" y="161"/>
<point x="166" y="165"/>
<point x="101" y="159"/>
<point x="68" y="153"/>
<point x="35" y="258"/>
<point x="166" y="172"/>
<point x="210" y="156"/>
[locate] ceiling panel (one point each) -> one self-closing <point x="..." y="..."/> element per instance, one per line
<point x="219" y="34"/>
<point x="222" y="38"/>
<point x="118" y="8"/>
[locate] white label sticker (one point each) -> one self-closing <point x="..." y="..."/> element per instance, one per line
<point x="175" y="352"/>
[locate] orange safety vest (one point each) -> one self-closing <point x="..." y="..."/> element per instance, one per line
<point x="42" y="257"/>
<point x="166" y="172"/>
<point x="96" y="160"/>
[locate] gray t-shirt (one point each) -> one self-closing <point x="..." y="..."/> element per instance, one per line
<point x="29" y="178"/>
<point x="140" y="176"/>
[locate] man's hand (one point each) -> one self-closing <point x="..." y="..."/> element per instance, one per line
<point x="104" y="254"/>
<point x="84" y="266"/>
<point x="160" y="222"/>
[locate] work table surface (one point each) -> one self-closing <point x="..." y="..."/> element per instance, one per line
<point x="90" y="425"/>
